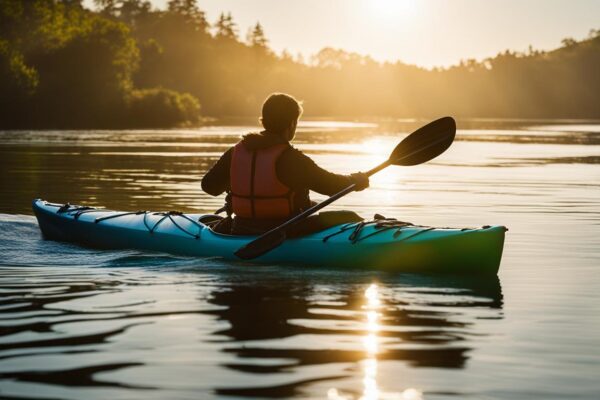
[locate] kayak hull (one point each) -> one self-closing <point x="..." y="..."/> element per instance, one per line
<point x="403" y="249"/>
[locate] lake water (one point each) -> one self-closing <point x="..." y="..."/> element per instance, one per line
<point x="85" y="324"/>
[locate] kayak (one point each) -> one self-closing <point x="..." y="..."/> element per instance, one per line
<point x="383" y="244"/>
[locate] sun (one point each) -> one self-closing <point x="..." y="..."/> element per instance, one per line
<point x="392" y="9"/>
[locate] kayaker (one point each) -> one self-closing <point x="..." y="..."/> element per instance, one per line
<point x="266" y="178"/>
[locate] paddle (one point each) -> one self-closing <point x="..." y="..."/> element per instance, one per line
<point x="420" y="146"/>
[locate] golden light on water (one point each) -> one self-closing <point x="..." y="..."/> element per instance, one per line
<point x="376" y="146"/>
<point x="373" y="303"/>
<point x="370" y="342"/>
<point x="372" y="324"/>
<point x="376" y="151"/>
<point x="371" y="389"/>
<point x="411" y="394"/>
<point x="372" y="295"/>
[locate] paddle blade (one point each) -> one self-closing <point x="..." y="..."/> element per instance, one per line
<point x="425" y="143"/>
<point x="261" y="245"/>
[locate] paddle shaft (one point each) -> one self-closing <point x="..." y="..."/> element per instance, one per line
<point x="330" y="200"/>
<point x="326" y="202"/>
<point x="438" y="135"/>
<point x="220" y="210"/>
<point x="340" y="194"/>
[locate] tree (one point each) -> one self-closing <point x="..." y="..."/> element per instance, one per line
<point x="256" y="37"/>
<point x="108" y="7"/>
<point x="190" y="11"/>
<point x="225" y="27"/>
<point x="75" y="67"/>
<point x="126" y="64"/>
<point x="568" y="42"/>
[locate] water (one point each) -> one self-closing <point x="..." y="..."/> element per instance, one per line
<point x="78" y="323"/>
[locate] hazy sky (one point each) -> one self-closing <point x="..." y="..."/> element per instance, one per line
<point x="423" y="32"/>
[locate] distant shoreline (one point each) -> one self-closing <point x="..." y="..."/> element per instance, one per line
<point x="63" y="66"/>
<point x="339" y="122"/>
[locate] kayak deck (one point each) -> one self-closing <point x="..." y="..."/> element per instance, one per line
<point x="381" y="244"/>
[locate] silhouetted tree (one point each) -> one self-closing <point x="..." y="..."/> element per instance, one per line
<point x="128" y="64"/>
<point x="190" y="11"/>
<point x="256" y="37"/>
<point x="568" y="42"/>
<point x="225" y="27"/>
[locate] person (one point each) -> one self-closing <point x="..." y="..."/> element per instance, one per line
<point x="267" y="180"/>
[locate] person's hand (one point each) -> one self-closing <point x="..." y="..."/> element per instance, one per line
<point x="361" y="180"/>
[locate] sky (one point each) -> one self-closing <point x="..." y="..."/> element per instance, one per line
<point x="423" y="32"/>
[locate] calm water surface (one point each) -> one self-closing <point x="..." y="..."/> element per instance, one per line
<point x="84" y="324"/>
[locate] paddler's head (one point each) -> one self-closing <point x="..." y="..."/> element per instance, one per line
<point x="280" y="115"/>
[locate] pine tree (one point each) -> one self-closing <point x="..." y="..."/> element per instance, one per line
<point x="256" y="37"/>
<point x="190" y="11"/>
<point x="225" y="27"/>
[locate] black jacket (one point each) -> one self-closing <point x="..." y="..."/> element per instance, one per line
<point x="294" y="169"/>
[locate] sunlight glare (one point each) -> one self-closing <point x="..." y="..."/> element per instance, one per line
<point x="376" y="151"/>
<point x="334" y="394"/>
<point x="412" y="394"/>
<point x="376" y="146"/>
<point x="372" y="295"/>
<point x="372" y="325"/>
<point x="393" y="10"/>
<point x="371" y="340"/>
<point x="371" y="345"/>
<point x="371" y="390"/>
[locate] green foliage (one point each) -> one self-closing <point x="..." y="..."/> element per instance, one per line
<point x="75" y="67"/>
<point x="189" y="11"/>
<point x="126" y="64"/>
<point x="18" y="75"/>
<point x="160" y="107"/>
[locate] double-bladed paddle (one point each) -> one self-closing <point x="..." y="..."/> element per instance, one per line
<point x="422" y="145"/>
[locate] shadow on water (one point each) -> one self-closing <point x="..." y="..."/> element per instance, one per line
<point x="277" y="321"/>
<point x="26" y="296"/>
<point x="419" y="320"/>
<point x="72" y="319"/>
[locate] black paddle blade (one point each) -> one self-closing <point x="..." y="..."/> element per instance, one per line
<point x="263" y="244"/>
<point x="425" y="143"/>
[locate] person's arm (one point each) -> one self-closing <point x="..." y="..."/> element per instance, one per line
<point x="216" y="181"/>
<point x="297" y="170"/>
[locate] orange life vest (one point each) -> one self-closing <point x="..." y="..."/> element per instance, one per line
<point x="256" y="192"/>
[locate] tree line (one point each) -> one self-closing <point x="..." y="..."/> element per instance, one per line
<point x="126" y="65"/>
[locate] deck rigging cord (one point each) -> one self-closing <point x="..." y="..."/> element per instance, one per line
<point x="380" y="223"/>
<point x="77" y="211"/>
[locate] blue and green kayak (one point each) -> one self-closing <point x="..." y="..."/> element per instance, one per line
<point x="388" y="245"/>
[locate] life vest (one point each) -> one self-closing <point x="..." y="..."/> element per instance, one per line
<point x="256" y="192"/>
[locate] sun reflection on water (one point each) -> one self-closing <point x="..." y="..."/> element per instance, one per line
<point x="377" y="146"/>
<point x="371" y="389"/>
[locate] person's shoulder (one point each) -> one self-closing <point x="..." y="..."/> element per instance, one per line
<point x="296" y="157"/>
<point x="294" y="151"/>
